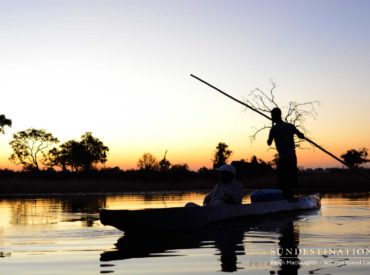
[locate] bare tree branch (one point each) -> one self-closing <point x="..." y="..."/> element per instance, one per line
<point x="296" y="113"/>
<point x="257" y="131"/>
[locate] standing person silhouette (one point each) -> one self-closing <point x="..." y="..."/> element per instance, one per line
<point x="283" y="134"/>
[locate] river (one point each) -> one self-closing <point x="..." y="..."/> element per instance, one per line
<point x="63" y="235"/>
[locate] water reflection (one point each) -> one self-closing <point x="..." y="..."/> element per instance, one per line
<point x="87" y="206"/>
<point x="63" y="233"/>
<point x="229" y="243"/>
<point x="288" y="249"/>
<point x="228" y="240"/>
<point x="32" y="211"/>
<point x="44" y="211"/>
<point x="5" y="254"/>
<point x="82" y="204"/>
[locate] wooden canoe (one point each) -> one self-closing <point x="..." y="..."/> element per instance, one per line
<point x="226" y="237"/>
<point x="186" y="218"/>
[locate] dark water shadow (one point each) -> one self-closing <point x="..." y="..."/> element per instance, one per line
<point x="227" y="239"/>
<point x="288" y="249"/>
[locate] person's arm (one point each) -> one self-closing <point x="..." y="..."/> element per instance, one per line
<point x="298" y="133"/>
<point x="271" y="138"/>
<point x="235" y="194"/>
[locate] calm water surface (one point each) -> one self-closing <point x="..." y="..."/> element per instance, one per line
<point x="63" y="235"/>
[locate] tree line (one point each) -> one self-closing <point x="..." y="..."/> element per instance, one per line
<point x="36" y="150"/>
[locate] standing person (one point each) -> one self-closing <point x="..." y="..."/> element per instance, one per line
<point x="283" y="135"/>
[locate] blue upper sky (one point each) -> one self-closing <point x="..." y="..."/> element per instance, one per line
<point x="121" y="70"/>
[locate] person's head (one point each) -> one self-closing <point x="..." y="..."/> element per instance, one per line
<point x="226" y="173"/>
<point x="276" y="115"/>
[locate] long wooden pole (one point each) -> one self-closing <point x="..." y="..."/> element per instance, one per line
<point x="269" y="118"/>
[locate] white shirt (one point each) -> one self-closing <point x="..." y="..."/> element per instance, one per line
<point x="235" y="190"/>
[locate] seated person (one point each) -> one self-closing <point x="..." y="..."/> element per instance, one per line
<point x="227" y="190"/>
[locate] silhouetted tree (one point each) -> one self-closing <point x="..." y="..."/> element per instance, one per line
<point x="183" y="167"/>
<point x="30" y="147"/>
<point x="254" y="161"/>
<point x="95" y="151"/>
<point x="4" y="122"/>
<point x="148" y="162"/>
<point x="164" y="164"/>
<point x="221" y="155"/>
<point x="264" y="167"/>
<point x="81" y="155"/>
<point x="295" y="113"/>
<point x="56" y="158"/>
<point x="205" y="173"/>
<point x="179" y="171"/>
<point x="356" y="157"/>
<point x="70" y="156"/>
<point x="203" y="170"/>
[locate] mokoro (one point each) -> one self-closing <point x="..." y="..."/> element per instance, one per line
<point x="185" y="218"/>
<point x="226" y="237"/>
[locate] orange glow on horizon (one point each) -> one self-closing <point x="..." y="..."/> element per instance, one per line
<point x="197" y="157"/>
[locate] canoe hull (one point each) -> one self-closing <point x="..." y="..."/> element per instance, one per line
<point x="186" y="218"/>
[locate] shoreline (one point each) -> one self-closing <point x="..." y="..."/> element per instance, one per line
<point x="342" y="181"/>
<point x="160" y="192"/>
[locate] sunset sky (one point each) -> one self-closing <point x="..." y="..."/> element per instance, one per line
<point x="121" y="69"/>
